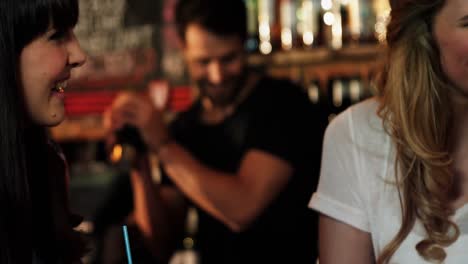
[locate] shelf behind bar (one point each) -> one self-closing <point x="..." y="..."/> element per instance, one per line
<point x="317" y="55"/>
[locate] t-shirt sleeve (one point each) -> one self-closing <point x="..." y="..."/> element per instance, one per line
<point x="340" y="194"/>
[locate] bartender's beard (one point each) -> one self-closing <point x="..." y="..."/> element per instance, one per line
<point x="224" y="93"/>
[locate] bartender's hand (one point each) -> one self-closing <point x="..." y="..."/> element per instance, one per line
<point x="137" y="110"/>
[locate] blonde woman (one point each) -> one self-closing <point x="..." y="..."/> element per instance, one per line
<point x="394" y="179"/>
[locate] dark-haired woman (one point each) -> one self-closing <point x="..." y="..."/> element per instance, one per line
<point x="38" y="50"/>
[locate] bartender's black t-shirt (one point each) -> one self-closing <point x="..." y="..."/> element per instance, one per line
<point x="277" y="118"/>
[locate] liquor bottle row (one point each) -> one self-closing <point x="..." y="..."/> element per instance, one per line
<point x="302" y="24"/>
<point x="340" y="93"/>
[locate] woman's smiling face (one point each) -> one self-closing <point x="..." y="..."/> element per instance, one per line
<point x="451" y="35"/>
<point x="45" y="67"/>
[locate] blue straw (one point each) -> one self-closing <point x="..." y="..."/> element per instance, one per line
<point x="127" y="244"/>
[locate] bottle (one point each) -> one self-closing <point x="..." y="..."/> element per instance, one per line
<point x="308" y="26"/>
<point x="288" y="23"/>
<point x="267" y="26"/>
<point x="338" y="95"/>
<point x="369" y="19"/>
<point x="128" y="145"/>
<point x="327" y="20"/>
<point x="336" y="28"/>
<point x="189" y="253"/>
<point x="362" y="21"/>
<point x="330" y="30"/>
<point x="315" y="92"/>
<point x="346" y="23"/>
<point x="356" y="89"/>
<point x="252" y="42"/>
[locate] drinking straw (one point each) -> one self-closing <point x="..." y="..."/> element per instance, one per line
<point x="127" y="244"/>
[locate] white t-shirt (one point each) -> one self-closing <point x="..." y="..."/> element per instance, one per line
<point x="356" y="185"/>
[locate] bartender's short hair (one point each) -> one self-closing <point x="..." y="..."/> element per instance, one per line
<point x="221" y="17"/>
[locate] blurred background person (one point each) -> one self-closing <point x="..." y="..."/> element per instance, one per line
<point x="38" y="51"/>
<point x="245" y="156"/>
<point x="393" y="186"/>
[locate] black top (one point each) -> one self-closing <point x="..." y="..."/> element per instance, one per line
<point x="277" y="118"/>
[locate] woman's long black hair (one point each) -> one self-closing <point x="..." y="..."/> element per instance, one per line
<point x="31" y="177"/>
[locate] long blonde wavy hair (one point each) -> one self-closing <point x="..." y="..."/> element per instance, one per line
<point x="415" y="109"/>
